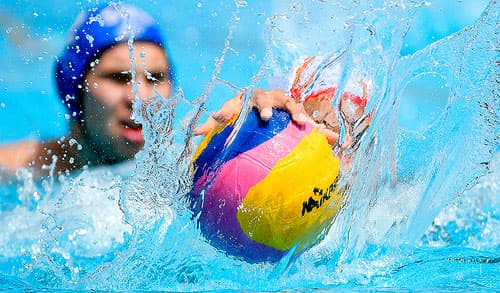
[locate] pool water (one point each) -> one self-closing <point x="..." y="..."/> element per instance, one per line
<point x="422" y="212"/>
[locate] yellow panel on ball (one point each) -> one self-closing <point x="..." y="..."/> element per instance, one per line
<point x="296" y="200"/>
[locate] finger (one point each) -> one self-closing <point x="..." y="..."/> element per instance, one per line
<point x="347" y="142"/>
<point x="206" y="127"/>
<point x="331" y="136"/>
<point x="365" y="91"/>
<point x="264" y="101"/>
<point x="230" y="109"/>
<point x="297" y="111"/>
<point x="223" y="116"/>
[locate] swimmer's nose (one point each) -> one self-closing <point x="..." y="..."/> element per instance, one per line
<point x="144" y="88"/>
<point x="129" y="105"/>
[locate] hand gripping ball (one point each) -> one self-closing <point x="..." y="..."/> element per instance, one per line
<point x="265" y="189"/>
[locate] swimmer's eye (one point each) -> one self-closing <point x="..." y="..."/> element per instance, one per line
<point x="122" y="77"/>
<point x="156" y="76"/>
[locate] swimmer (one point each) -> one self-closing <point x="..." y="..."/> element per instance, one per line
<point x="94" y="80"/>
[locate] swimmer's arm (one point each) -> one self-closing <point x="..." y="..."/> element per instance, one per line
<point x="19" y="154"/>
<point x="38" y="155"/>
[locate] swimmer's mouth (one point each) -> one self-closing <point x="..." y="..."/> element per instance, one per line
<point x="132" y="131"/>
<point x="131" y="125"/>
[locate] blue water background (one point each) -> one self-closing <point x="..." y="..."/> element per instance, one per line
<point x="33" y="34"/>
<point x="386" y="242"/>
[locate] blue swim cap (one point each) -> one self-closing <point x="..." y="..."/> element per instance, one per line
<point x="94" y="31"/>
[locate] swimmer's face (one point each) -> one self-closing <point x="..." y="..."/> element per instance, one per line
<point x="107" y="102"/>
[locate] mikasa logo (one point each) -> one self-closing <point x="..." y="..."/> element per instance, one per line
<point x="324" y="194"/>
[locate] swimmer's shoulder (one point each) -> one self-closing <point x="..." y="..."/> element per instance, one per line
<point x="19" y="154"/>
<point x="37" y="154"/>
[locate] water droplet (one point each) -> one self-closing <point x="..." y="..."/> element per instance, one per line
<point x="199" y="5"/>
<point x="95" y="85"/>
<point x="241" y="4"/>
<point x="89" y="38"/>
<point x="35" y="14"/>
<point x="8" y="30"/>
<point x="2" y="105"/>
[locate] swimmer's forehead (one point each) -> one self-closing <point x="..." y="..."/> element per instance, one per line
<point x="145" y="55"/>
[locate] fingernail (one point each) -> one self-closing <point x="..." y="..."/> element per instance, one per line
<point x="266" y="113"/>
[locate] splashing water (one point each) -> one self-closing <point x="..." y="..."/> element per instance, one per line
<point x="129" y="227"/>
